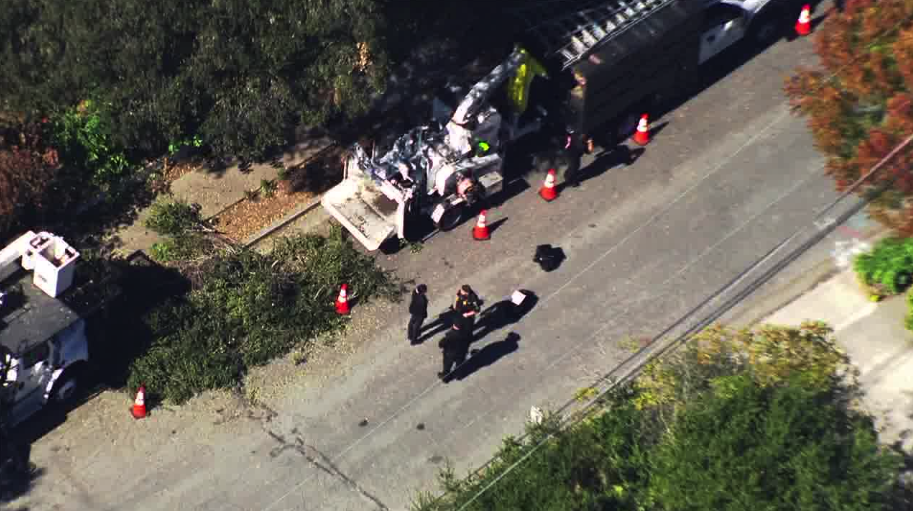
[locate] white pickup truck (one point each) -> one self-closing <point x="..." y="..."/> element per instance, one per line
<point x="727" y="22"/>
<point x="43" y="344"/>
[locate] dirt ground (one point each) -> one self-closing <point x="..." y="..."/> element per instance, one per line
<point x="249" y="216"/>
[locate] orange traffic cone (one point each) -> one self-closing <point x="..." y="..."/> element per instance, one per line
<point x="642" y="135"/>
<point x="139" y="404"/>
<point x="480" y="231"/>
<point x="342" y="302"/>
<point x="804" y="25"/>
<point x="548" y="191"/>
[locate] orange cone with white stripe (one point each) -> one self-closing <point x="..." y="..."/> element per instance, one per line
<point x="548" y="191"/>
<point x="342" y="301"/>
<point x="480" y="231"/>
<point x="139" y="404"/>
<point x="642" y="135"/>
<point x="804" y="25"/>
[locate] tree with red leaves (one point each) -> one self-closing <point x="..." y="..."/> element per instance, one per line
<point x="27" y="171"/>
<point x="860" y="105"/>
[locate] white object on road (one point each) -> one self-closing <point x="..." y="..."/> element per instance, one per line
<point x="845" y="251"/>
<point x="535" y="415"/>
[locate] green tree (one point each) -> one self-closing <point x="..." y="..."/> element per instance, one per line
<point x="735" y="419"/>
<point x="596" y="465"/>
<point x="770" y="353"/>
<point x="747" y="447"/>
<point x="238" y="72"/>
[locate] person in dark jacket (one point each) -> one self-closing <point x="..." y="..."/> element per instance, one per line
<point x="418" y="311"/>
<point x="455" y="346"/>
<point x="576" y="145"/>
<point x="466" y="306"/>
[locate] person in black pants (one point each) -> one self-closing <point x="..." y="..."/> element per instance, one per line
<point x="418" y="311"/>
<point x="576" y="145"/>
<point x="456" y="346"/>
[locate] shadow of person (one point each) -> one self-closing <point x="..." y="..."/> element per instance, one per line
<point x="617" y="156"/>
<point x="17" y="473"/>
<point x="488" y="355"/>
<point x="504" y="313"/>
<point x="442" y="323"/>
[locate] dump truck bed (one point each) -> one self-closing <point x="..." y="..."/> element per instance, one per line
<point x="361" y="206"/>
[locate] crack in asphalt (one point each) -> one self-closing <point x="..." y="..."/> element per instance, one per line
<point x="322" y="462"/>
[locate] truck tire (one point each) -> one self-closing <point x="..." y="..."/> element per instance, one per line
<point x="767" y="28"/>
<point x="66" y="388"/>
<point x="452" y="218"/>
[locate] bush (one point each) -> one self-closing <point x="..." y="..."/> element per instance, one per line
<point x="888" y="267"/>
<point x="82" y="134"/>
<point x="179" y="248"/>
<point x="173" y="218"/>
<point x="250" y="308"/>
<point x="744" y="446"/>
<point x="748" y="433"/>
<point x="594" y="465"/>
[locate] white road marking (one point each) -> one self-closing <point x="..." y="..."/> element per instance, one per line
<point x="865" y="311"/>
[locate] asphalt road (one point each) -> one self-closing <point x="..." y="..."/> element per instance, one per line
<point x="726" y="179"/>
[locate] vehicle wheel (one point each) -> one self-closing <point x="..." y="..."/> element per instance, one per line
<point x="65" y="388"/>
<point x="627" y="126"/>
<point x="451" y="218"/>
<point x="767" y="29"/>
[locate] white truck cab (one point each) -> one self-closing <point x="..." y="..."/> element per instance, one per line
<point x="726" y="22"/>
<point x="43" y="344"/>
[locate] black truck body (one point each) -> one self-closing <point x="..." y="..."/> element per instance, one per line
<point x="655" y="54"/>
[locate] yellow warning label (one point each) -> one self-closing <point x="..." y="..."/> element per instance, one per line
<point x="518" y="86"/>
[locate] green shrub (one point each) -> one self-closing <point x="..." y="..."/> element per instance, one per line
<point x="172" y="217"/>
<point x="179" y="248"/>
<point x="83" y="135"/>
<point x="594" y="465"/>
<point x="175" y="146"/>
<point x="739" y="445"/>
<point x="888" y="267"/>
<point x="250" y="308"/>
<point x="268" y="187"/>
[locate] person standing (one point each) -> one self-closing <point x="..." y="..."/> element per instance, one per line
<point x="418" y="311"/>
<point x="575" y="146"/>
<point x="455" y="346"/>
<point x="466" y="306"/>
